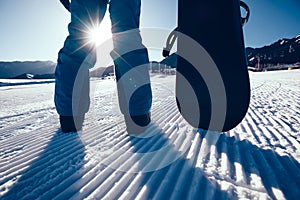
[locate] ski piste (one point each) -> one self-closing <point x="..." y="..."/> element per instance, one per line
<point x="253" y="161"/>
<point x="212" y="82"/>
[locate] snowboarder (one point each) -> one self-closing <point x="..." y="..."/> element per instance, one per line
<point x="77" y="56"/>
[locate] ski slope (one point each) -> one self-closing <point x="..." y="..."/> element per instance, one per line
<point x="259" y="159"/>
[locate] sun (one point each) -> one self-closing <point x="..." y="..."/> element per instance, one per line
<point x="100" y="33"/>
<point x="95" y="35"/>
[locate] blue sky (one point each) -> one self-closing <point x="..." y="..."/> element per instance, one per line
<point x="36" y="29"/>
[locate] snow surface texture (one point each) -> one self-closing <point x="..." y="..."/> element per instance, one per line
<point x="259" y="159"/>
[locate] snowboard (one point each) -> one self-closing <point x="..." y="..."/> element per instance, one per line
<point x="212" y="81"/>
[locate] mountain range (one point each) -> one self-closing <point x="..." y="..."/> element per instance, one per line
<point x="27" y="69"/>
<point x="284" y="51"/>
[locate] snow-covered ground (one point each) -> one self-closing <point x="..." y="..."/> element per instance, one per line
<point x="259" y="159"/>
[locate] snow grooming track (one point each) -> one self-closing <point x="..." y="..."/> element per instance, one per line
<point x="259" y="159"/>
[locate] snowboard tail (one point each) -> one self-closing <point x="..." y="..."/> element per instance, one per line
<point x="212" y="82"/>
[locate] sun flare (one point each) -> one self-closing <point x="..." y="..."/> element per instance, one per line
<point x="95" y="35"/>
<point x="100" y="33"/>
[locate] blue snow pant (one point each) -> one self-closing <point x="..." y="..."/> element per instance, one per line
<point x="78" y="55"/>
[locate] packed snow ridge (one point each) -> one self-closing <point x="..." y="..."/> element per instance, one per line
<point x="259" y="159"/>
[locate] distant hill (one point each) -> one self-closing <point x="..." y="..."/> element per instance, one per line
<point x="170" y="60"/>
<point x="18" y="69"/>
<point x="101" y="71"/>
<point x="284" y="51"/>
<point x="40" y="70"/>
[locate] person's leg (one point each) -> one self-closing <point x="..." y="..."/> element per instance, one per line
<point x="131" y="62"/>
<point x="74" y="61"/>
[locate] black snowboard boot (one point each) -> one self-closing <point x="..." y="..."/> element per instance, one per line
<point x="137" y="124"/>
<point x="71" y="123"/>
